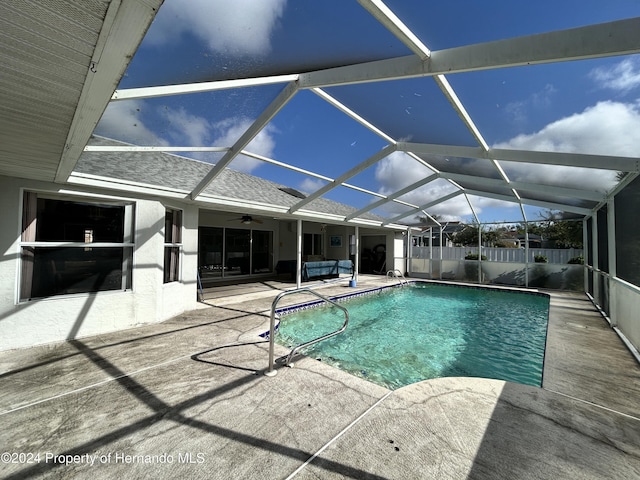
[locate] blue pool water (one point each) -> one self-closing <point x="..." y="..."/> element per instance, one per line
<point x="404" y="335"/>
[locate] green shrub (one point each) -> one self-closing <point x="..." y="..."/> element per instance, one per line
<point x="579" y="260"/>
<point x="473" y="256"/>
<point x="540" y="259"/>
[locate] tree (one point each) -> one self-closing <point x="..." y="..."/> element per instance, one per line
<point x="427" y="221"/>
<point x="562" y="233"/>
<point x="467" y="236"/>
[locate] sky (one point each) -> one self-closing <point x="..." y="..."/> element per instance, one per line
<point x="590" y="106"/>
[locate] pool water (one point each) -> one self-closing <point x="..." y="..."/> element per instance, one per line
<point x="404" y="335"/>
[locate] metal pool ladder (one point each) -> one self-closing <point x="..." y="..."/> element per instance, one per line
<point x="399" y="275"/>
<point x="272" y="326"/>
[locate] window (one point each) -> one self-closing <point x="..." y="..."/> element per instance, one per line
<point x="71" y="246"/>
<point x="311" y="244"/>
<point x="172" y="244"/>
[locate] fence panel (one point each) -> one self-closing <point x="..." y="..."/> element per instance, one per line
<point x="509" y="255"/>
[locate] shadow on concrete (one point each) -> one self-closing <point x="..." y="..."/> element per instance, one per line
<point x="57" y="358"/>
<point x="163" y="411"/>
<point x="197" y="357"/>
<point x="534" y="433"/>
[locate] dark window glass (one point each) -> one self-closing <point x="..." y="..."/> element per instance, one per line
<point x="312" y="244"/>
<point x="59" y="271"/>
<point x="172" y="240"/>
<point x="603" y="243"/>
<point x="237" y="253"/>
<point x="48" y="270"/>
<point x="262" y="251"/>
<point x="210" y="249"/>
<point x="65" y="221"/>
<point x="627" y="206"/>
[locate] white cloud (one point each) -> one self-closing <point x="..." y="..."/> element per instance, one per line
<point x="185" y="128"/>
<point x="123" y="121"/>
<point x="231" y="129"/>
<point x="607" y="128"/>
<point x="310" y="185"/>
<point x="239" y="27"/>
<point x="398" y="170"/>
<point x="623" y="77"/>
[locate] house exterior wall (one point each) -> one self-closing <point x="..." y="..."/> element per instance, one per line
<point x="64" y="317"/>
<point x="286" y="246"/>
<point x="340" y="250"/>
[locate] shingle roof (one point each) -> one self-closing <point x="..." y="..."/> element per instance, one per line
<point x="174" y="172"/>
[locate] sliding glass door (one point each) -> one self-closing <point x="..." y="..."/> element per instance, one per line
<point x="232" y="252"/>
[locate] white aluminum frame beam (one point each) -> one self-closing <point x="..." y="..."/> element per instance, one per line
<point x="151" y="148"/>
<point x="473" y="210"/>
<point x="424" y="207"/>
<point x="386" y="151"/>
<point x="265" y="117"/>
<point x="381" y="12"/>
<point x="621" y="37"/>
<point x="187" y="88"/>
<point x="307" y="172"/>
<point x="394" y="196"/>
<point x="344" y="109"/>
<point x="603" y="162"/>
<point x="391" y="22"/>
<point x="457" y="105"/>
<point x="529" y="201"/>
<point x="540" y="188"/>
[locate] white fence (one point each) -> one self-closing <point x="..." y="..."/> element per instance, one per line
<point x="516" y="255"/>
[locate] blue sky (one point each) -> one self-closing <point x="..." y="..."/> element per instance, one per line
<point x="582" y="106"/>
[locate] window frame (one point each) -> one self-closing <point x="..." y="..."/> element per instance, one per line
<point x="173" y="247"/>
<point x="27" y="246"/>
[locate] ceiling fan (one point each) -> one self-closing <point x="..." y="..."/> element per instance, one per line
<point x="246" y="219"/>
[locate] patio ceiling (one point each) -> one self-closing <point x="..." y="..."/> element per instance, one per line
<point x="61" y="61"/>
<point x="448" y="145"/>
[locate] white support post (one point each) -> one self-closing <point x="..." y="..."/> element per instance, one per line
<point x="479" y="253"/>
<point x="585" y="253"/>
<point x="611" y="247"/>
<point x="299" y="254"/>
<point x="594" y="257"/>
<point x="441" y="235"/>
<point x="431" y="251"/>
<point x="526" y="254"/>
<point x="409" y="250"/>
<point x="356" y="266"/>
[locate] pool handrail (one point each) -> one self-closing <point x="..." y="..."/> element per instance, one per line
<point x="394" y="273"/>
<point x="272" y="324"/>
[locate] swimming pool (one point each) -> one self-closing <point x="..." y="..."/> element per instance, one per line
<point x="404" y="335"/>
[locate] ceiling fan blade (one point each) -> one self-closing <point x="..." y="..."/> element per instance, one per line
<point x="246" y="219"/>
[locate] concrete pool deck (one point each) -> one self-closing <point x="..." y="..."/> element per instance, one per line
<point x="187" y="399"/>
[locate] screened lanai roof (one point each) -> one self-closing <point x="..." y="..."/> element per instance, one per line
<point x="474" y="111"/>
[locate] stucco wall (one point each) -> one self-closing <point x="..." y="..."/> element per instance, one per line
<point x="59" y="318"/>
